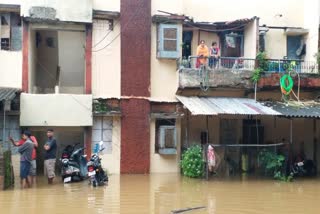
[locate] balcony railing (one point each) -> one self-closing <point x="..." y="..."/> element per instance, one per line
<point x="235" y="63"/>
<point x="241" y="63"/>
<point x="301" y="66"/>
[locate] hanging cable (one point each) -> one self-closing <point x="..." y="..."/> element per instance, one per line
<point x="122" y="28"/>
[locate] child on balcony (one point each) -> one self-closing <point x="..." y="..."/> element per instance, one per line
<point x="214" y="55"/>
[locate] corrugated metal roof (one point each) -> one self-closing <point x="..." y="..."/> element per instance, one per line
<point x="304" y="110"/>
<point x="243" y="21"/>
<point x="225" y="105"/>
<point x="8" y="93"/>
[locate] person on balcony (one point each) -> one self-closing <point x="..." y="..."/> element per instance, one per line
<point x="202" y="54"/>
<point x="214" y="55"/>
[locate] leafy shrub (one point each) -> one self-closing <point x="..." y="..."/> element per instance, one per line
<point x="262" y="65"/>
<point x="274" y="164"/>
<point x="192" y="163"/>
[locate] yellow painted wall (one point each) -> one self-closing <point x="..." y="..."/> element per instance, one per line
<point x="208" y="37"/>
<point x="112" y="161"/>
<point x="276" y="44"/>
<point x="106" y="61"/>
<point x="71" y="10"/>
<point x="164" y="75"/>
<point x="164" y="163"/>
<point x="206" y="10"/>
<point x="275" y="129"/>
<point x="11" y="69"/>
<point x="170" y="6"/>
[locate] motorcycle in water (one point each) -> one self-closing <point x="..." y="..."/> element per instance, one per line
<point x="303" y="168"/>
<point x="73" y="164"/>
<point x="97" y="176"/>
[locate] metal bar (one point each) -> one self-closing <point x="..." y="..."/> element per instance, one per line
<point x="4" y="123"/>
<point x="248" y="145"/>
<point x="290" y="131"/>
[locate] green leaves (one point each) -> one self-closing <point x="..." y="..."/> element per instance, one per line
<point x="262" y="65"/>
<point x="274" y="164"/>
<point x="256" y="75"/>
<point x="192" y="163"/>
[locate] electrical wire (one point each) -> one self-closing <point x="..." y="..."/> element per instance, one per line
<point x="124" y="27"/>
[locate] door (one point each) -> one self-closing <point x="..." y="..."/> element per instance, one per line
<point x="187" y="39"/>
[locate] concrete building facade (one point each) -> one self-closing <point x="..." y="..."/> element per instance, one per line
<point x="107" y="70"/>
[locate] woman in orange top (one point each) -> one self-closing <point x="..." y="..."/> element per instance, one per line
<point x="202" y="53"/>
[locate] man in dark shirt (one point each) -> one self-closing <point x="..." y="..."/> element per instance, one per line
<point x="25" y="160"/>
<point x="50" y="148"/>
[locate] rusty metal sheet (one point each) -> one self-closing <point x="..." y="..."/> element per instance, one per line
<point x="225" y="106"/>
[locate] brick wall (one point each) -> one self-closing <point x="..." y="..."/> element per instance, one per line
<point x="135" y="82"/>
<point x="135" y="136"/>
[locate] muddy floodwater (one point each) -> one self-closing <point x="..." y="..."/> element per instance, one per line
<point x="164" y="193"/>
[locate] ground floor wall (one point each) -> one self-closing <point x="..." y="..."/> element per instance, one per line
<point x="305" y="133"/>
<point x="111" y="158"/>
<point x="164" y="163"/>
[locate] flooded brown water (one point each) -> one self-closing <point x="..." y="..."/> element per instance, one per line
<point x="163" y="193"/>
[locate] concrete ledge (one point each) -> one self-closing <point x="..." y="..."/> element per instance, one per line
<point x="189" y="78"/>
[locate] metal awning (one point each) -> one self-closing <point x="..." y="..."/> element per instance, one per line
<point x="225" y="106"/>
<point x="304" y="110"/>
<point x="8" y="93"/>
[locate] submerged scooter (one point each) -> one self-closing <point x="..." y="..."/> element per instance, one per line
<point x="73" y="164"/>
<point x="97" y="176"/>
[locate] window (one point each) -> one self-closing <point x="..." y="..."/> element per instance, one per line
<point x="166" y="138"/>
<point x="10" y="32"/>
<point x="168" y="41"/>
<point x="102" y="132"/>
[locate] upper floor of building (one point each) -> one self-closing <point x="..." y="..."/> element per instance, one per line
<point x="58" y="42"/>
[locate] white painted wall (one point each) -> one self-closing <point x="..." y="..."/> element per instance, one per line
<point x="106" y="63"/>
<point x="17" y="2"/>
<point x="71" y="10"/>
<point x="72" y="61"/>
<point x="112" y="161"/>
<point x="164" y="163"/>
<point x="11" y="69"/>
<point x="311" y="22"/>
<point x="107" y="5"/>
<point x="250" y="40"/>
<point x="55" y="110"/>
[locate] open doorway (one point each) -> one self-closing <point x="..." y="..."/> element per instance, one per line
<point x="57" y="61"/>
<point x="187" y="40"/>
<point x="64" y="136"/>
<point x="232" y="44"/>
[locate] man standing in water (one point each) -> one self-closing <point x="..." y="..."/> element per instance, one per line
<point x="26" y="157"/>
<point x="50" y="148"/>
<point x="33" y="170"/>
